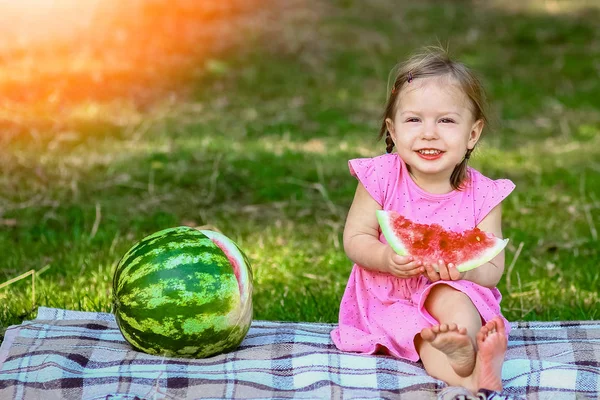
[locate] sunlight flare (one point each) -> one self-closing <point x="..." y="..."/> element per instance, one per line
<point x="60" y="53"/>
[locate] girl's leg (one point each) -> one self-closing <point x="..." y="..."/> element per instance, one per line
<point x="448" y="350"/>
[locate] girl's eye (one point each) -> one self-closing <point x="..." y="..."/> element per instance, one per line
<point x="447" y="120"/>
<point x="412" y="119"/>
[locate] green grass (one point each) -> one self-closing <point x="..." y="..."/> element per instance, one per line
<point x="257" y="147"/>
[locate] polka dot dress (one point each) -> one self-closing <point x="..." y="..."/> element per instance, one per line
<point x="383" y="313"/>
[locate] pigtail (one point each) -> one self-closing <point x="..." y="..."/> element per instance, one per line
<point x="459" y="174"/>
<point x="389" y="143"/>
<point x="389" y="113"/>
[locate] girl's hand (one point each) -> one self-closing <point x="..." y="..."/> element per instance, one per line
<point x="402" y="266"/>
<point x="444" y="272"/>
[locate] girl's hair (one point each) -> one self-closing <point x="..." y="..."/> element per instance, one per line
<point x="433" y="62"/>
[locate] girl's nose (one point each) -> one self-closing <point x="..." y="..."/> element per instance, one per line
<point x="429" y="131"/>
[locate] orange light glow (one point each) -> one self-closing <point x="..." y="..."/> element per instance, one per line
<point x="54" y="53"/>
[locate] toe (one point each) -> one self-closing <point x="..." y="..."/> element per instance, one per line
<point x="500" y="328"/>
<point x="452" y="327"/>
<point x="480" y="336"/>
<point x="484" y="330"/>
<point x="494" y="325"/>
<point x="427" y="334"/>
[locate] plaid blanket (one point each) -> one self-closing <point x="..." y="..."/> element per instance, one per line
<point x="79" y="355"/>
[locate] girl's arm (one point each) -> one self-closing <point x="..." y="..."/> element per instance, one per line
<point x="361" y="240"/>
<point x="489" y="274"/>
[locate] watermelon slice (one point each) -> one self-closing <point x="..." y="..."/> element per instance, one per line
<point x="430" y="243"/>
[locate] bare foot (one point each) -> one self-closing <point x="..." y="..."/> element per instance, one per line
<point x="491" y="342"/>
<point x="455" y="343"/>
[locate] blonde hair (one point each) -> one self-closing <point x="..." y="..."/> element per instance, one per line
<point x="434" y="62"/>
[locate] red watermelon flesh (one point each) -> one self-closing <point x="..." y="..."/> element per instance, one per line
<point x="431" y="242"/>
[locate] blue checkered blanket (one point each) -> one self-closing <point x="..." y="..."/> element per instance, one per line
<point x="80" y="355"/>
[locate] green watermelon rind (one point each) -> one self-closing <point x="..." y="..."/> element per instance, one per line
<point x="383" y="217"/>
<point x="245" y="316"/>
<point x="239" y="257"/>
<point x="487" y="256"/>
<point x="150" y="334"/>
<point x="388" y="232"/>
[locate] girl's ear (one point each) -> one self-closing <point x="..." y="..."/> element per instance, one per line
<point x="390" y="127"/>
<point x="475" y="134"/>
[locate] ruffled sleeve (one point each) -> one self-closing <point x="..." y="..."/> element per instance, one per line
<point x="364" y="169"/>
<point x="488" y="194"/>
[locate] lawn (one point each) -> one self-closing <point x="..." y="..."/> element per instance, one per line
<point x="245" y="124"/>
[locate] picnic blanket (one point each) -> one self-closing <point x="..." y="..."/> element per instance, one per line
<point x="81" y="355"/>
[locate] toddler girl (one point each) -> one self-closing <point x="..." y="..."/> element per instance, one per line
<point x="397" y="304"/>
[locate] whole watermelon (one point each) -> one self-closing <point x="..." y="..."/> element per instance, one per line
<point x="182" y="292"/>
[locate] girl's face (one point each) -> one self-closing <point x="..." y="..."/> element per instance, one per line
<point x="433" y="127"/>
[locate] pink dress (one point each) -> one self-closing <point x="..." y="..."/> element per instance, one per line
<point x="382" y="313"/>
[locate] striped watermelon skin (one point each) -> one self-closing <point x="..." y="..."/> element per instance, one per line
<point x="176" y="293"/>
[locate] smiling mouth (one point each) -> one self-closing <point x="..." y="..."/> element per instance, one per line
<point x="429" y="152"/>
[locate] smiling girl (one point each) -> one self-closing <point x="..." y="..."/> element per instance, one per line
<point x="398" y="305"/>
